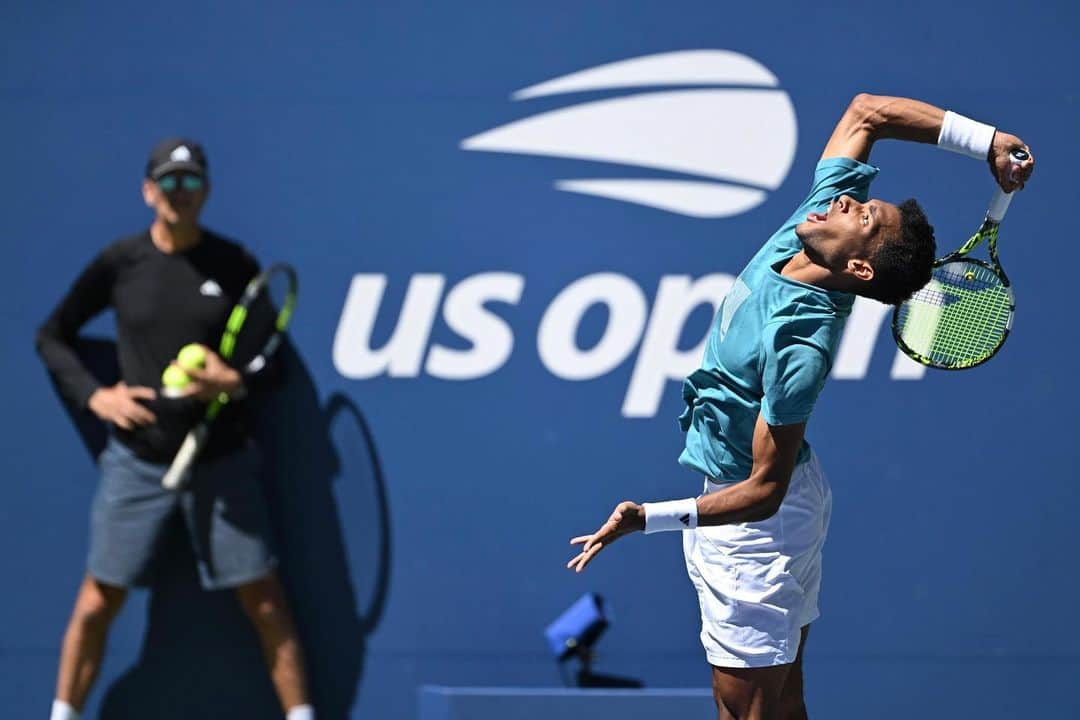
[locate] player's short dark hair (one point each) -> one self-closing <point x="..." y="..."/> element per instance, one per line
<point x="902" y="260"/>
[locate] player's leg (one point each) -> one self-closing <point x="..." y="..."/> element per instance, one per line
<point x="128" y="515"/>
<point x="792" y="702"/>
<point x="264" y="603"/>
<point x="226" y="514"/>
<point x="757" y="586"/>
<point x="749" y="693"/>
<point x="84" y="641"/>
<point x="809" y="571"/>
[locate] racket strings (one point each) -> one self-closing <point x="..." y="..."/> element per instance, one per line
<point x="960" y="318"/>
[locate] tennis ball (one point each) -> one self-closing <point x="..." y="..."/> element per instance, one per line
<point x="174" y="380"/>
<point x="969" y="275"/>
<point x="191" y="357"/>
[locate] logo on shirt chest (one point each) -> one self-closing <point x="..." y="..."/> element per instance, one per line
<point x="735" y="298"/>
<point x="210" y="288"/>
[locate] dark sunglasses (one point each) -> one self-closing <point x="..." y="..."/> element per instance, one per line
<point x="182" y="181"/>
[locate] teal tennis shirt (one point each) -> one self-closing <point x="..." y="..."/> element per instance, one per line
<point x="771" y="344"/>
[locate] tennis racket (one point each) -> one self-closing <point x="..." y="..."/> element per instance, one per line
<point x="253" y="333"/>
<point x="962" y="317"/>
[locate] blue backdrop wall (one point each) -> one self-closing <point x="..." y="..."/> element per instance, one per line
<point x="503" y="279"/>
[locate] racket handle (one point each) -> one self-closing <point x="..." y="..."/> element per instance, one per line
<point x="998" y="205"/>
<point x="1000" y="202"/>
<point x="185" y="457"/>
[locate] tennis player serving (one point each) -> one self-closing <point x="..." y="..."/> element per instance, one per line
<point x="752" y="540"/>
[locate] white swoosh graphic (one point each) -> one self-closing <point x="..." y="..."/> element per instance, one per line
<point x="685" y="67"/>
<point x="687" y="197"/>
<point x="744" y="136"/>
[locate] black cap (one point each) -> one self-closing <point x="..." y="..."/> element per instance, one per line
<point x="176" y="154"/>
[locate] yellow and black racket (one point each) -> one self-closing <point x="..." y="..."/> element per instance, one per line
<point x="964" y="314"/>
<point x="253" y="333"/>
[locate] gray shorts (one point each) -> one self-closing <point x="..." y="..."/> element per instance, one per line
<point x="222" y="506"/>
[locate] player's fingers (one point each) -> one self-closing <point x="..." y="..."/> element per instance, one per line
<point x="609" y="528"/>
<point x="141" y="392"/>
<point x="1026" y="168"/>
<point x="122" y="422"/>
<point x="137" y="413"/>
<point x="202" y="390"/>
<point x="580" y="539"/>
<point x="587" y="557"/>
<point x="211" y="354"/>
<point x="140" y="416"/>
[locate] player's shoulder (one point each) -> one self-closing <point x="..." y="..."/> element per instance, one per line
<point x="810" y="319"/>
<point x="229" y="251"/>
<point x="842" y="174"/>
<point x="127" y="248"/>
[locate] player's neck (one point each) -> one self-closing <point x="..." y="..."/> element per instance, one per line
<point x="800" y="267"/>
<point x="173" y="238"/>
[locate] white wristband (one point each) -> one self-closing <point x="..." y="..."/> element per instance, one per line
<point x="670" y="515"/>
<point x="965" y="136"/>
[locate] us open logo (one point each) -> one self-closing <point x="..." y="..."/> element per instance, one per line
<point x="710" y="95"/>
<point x="712" y="133"/>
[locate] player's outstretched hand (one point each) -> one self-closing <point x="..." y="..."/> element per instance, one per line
<point x="120" y="405"/>
<point x="1001" y="164"/>
<point x="216" y="377"/>
<point x="627" y="517"/>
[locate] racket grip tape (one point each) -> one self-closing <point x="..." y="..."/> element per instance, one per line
<point x="178" y="471"/>
<point x="998" y="205"/>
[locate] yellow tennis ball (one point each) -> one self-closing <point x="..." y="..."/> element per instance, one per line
<point x="191" y="357"/>
<point x="969" y="275"/>
<point x="174" y="379"/>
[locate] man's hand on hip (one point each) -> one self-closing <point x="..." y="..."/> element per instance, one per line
<point x="120" y="405"/>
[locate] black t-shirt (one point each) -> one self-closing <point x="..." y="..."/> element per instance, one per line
<point x="162" y="301"/>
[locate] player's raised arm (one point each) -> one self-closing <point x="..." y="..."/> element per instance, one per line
<point x="870" y="118"/>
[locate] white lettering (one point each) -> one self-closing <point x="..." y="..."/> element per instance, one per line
<point x="556" y="337"/>
<point x="629" y="322"/>
<point x="492" y="339"/>
<point x="402" y="354"/>
<point x="660" y="359"/>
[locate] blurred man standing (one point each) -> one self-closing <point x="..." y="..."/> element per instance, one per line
<point x="170" y="285"/>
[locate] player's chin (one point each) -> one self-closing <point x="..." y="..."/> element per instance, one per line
<point x="809" y="234"/>
<point x="804" y="230"/>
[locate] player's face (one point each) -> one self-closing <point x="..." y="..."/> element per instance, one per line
<point x="848" y="230"/>
<point x="176" y="197"/>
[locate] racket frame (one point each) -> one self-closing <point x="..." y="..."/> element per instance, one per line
<point x="994" y="268"/>
<point x="988" y="231"/>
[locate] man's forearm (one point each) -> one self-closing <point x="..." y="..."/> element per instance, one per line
<point x="751" y="500"/>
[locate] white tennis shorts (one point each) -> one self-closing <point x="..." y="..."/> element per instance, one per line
<point x="758" y="582"/>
